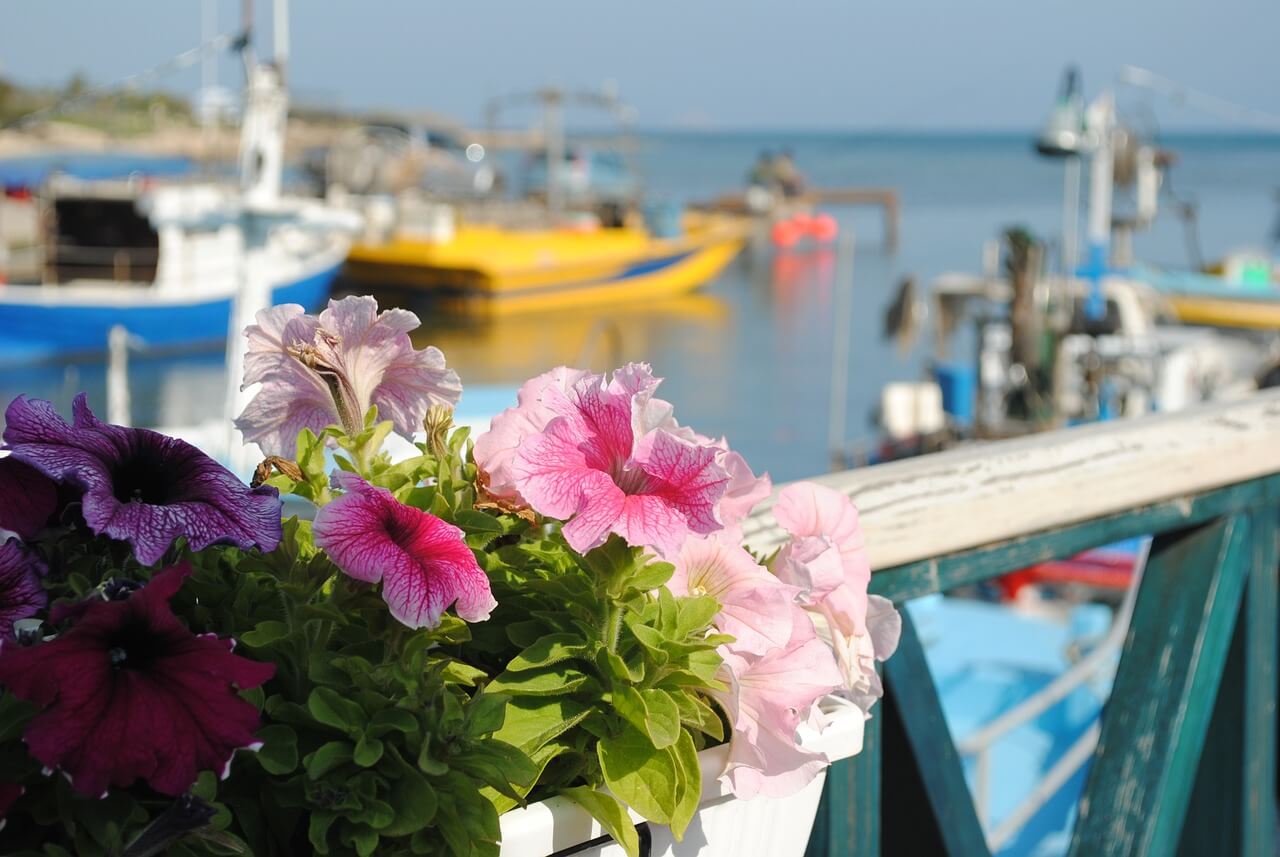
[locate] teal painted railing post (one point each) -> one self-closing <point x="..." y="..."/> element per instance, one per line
<point x="1261" y="613"/>
<point x="1154" y="725"/>
<point x="848" y="822"/>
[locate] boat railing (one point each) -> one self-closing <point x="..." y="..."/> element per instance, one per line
<point x="1184" y="754"/>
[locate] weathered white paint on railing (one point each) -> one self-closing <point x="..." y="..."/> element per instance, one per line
<point x="983" y="494"/>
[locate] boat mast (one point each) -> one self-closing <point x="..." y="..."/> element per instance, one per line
<point x="1101" y="122"/>
<point x="261" y="169"/>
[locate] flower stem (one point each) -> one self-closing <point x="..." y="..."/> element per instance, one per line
<point x="612" y="627"/>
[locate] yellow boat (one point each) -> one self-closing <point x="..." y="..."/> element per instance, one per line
<point x="499" y="270"/>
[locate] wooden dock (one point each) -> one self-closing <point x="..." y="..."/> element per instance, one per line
<point x="1185" y="758"/>
<point x="886" y="199"/>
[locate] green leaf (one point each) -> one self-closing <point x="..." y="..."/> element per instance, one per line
<point x="486" y="713"/>
<point x="389" y="720"/>
<point x="548" y="681"/>
<point x="427" y="763"/>
<point x="664" y="717"/>
<point x="333" y="709"/>
<point x="651" y="711"/>
<point x="327" y="758"/>
<point x="206" y="786"/>
<point x="646" y="778"/>
<point x="619" y="671"/>
<point x="652" y="576"/>
<point x="368" y="751"/>
<point x="459" y="673"/>
<point x="695" y="614"/>
<point x="686" y="757"/>
<point x="547" y="651"/>
<point x="652" y="641"/>
<point x="610" y="812"/>
<point x="414" y="802"/>
<point x="376" y="813"/>
<point x="478" y="522"/>
<point x="365" y="841"/>
<point x="533" y="722"/>
<point x="698" y="713"/>
<point x="265" y="633"/>
<point x="279" y="751"/>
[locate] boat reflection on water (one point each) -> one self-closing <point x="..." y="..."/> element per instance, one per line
<point x="507" y="349"/>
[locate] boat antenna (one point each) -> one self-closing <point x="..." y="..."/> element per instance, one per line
<point x="1179" y="93"/>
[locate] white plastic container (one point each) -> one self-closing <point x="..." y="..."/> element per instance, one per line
<point x="723" y="827"/>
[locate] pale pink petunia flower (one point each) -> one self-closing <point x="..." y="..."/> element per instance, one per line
<point x="827" y="559"/>
<point x="769" y="696"/>
<point x="857" y="656"/>
<point x="827" y="554"/>
<point x="612" y="464"/>
<point x="422" y="561"/>
<point x="755" y="607"/>
<point x="318" y="371"/>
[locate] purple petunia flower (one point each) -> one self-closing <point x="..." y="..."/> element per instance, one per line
<point x="28" y="498"/>
<point x="21" y="594"/>
<point x="422" y="561"/>
<point x="141" y="486"/>
<point x="318" y="371"/>
<point x="129" y="693"/>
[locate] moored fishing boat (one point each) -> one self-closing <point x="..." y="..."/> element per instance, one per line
<point x="515" y="270"/>
<point x="1242" y="292"/>
<point x="167" y="262"/>
<point x="580" y="237"/>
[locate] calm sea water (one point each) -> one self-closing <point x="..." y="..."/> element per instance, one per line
<point x="750" y="356"/>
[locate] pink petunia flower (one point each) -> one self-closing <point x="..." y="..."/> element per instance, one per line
<point x="556" y="394"/>
<point x="744" y="490"/>
<point x="423" y="563"/>
<point x="318" y="371"/>
<point x="827" y="559"/>
<point x="612" y="460"/>
<point x="755" y="607"/>
<point x="539" y="401"/>
<point x="769" y="697"/>
<point x="128" y="693"/>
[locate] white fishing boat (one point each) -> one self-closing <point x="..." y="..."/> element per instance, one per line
<point x="166" y="261"/>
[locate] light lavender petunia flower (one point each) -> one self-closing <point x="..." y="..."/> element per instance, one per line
<point x="326" y="370"/>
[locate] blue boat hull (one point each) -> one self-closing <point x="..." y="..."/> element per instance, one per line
<point x="32" y="332"/>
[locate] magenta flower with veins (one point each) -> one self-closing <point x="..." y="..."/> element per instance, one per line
<point x="318" y="371"/>
<point x="422" y="561"/>
<point x="608" y="459"/>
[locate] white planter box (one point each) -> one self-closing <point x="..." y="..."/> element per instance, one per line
<point x="723" y="827"/>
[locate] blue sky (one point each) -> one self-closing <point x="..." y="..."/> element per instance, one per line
<point x="696" y="63"/>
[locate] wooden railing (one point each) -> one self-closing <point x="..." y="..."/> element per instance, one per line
<point x="1186" y="756"/>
